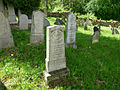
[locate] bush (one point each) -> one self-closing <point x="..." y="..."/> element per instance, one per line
<point x="26" y="6"/>
<point x="104" y="9"/>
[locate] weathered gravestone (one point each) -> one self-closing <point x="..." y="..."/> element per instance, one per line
<point x="23" y="24"/>
<point x="96" y="35"/>
<point x="119" y="27"/>
<point x="37" y="28"/>
<point x="85" y="26"/>
<point x="116" y="31"/>
<point x="1" y="6"/>
<point x="46" y="23"/>
<point x="59" y="22"/>
<point x="71" y="31"/>
<point x="55" y="54"/>
<point x="19" y="14"/>
<point x="6" y="38"/>
<point x="12" y="16"/>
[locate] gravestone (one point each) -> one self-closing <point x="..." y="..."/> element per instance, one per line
<point x="19" y="14"/>
<point x="59" y="22"/>
<point x="119" y="27"/>
<point x="71" y="31"/>
<point x="46" y="23"/>
<point x="6" y="38"/>
<point x="85" y="26"/>
<point x="88" y="22"/>
<point x="23" y="24"/>
<point x="96" y="35"/>
<point x="1" y="6"/>
<point x="37" y="28"/>
<point x="116" y="31"/>
<point x="55" y="54"/>
<point x="12" y="16"/>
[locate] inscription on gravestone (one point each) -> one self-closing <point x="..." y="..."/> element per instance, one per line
<point x="55" y="58"/>
<point x="71" y="31"/>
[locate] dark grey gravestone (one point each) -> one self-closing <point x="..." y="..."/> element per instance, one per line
<point x="96" y="35"/>
<point x="59" y="22"/>
<point x="116" y="31"/>
<point x="85" y="26"/>
<point x="46" y="23"/>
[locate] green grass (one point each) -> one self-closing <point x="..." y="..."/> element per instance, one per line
<point x="92" y="66"/>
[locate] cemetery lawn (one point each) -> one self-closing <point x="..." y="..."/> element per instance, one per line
<point x="92" y="66"/>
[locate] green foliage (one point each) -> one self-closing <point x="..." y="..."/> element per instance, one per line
<point x="104" y="9"/>
<point x="92" y="66"/>
<point x="26" y="6"/>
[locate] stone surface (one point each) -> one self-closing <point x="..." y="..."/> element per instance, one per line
<point x="85" y="26"/>
<point x="96" y="35"/>
<point x="116" y="31"/>
<point x="23" y="24"/>
<point x="71" y="31"/>
<point x="1" y="6"/>
<point x="55" y="54"/>
<point x="6" y="38"/>
<point x="11" y="12"/>
<point x="46" y="23"/>
<point x="37" y="28"/>
<point x="19" y="14"/>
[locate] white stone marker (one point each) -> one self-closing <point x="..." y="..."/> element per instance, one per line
<point x="6" y="38"/>
<point x="1" y="6"/>
<point x="71" y="31"/>
<point x="55" y="54"/>
<point x="12" y="16"/>
<point x="37" y="28"/>
<point x="23" y="24"/>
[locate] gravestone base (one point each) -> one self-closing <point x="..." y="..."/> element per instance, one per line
<point x="55" y="75"/>
<point x="74" y="45"/>
<point x="36" y="40"/>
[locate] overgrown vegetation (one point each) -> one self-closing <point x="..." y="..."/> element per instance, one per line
<point x="92" y="66"/>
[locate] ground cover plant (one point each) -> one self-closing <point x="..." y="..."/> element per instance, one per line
<point x="92" y="66"/>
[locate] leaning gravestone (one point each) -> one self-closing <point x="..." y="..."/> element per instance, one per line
<point x="12" y="16"/>
<point x="96" y="35"/>
<point x="116" y="31"/>
<point x="55" y="61"/>
<point x="23" y="24"/>
<point x="1" y="6"/>
<point x="6" y="38"/>
<point x="71" y="31"/>
<point x="37" y="28"/>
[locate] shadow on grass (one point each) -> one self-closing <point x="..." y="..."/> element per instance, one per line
<point x="90" y="65"/>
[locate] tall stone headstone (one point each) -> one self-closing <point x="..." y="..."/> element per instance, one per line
<point x="71" y="31"/>
<point x="19" y="14"/>
<point x="37" y="28"/>
<point x="1" y="6"/>
<point x="6" y="38"/>
<point x="96" y="35"/>
<point x="12" y="16"/>
<point x="55" y="54"/>
<point x="23" y="24"/>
